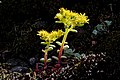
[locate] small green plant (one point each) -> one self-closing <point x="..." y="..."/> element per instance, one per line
<point x="49" y="38"/>
<point x="70" y="20"/>
<point x="100" y="28"/>
<point x="71" y="53"/>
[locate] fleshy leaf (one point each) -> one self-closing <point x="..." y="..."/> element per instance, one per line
<point x="54" y="57"/>
<point x="43" y="43"/>
<point x="66" y="47"/>
<point x="95" y="32"/>
<point x="99" y="27"/>
<point x="59" y="43"/>
<point x="77" y="55"/>
<point x="52" y="46"/>
<point x="42" y="60"/>
<point x="64" y="57"/>
<point x="49" y="60"/>
<point x="73" y="30"/>
<point x="108" y="22"/>
<point x="68" y="51"/>
<point x="66" y="42"/>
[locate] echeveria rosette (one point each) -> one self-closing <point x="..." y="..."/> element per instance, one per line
<point x="69" y="18"/>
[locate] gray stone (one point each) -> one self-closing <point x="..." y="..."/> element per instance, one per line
<point x="19" y="69"/>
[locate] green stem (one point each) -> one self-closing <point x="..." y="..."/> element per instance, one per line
<point x="45" y="56"/>
<point x="62" y="46"/>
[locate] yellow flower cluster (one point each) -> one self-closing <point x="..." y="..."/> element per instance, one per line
<point x="69" y="18"/>
<point x="50" y="37"/>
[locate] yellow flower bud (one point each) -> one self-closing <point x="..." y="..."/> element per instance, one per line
<point x="69" y="18"/>
<point x="50" y="37"/>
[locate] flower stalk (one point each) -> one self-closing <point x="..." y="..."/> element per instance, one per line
<point x="70" y="20"/>
<point x="62" y="46"/>
<point x="45" y="59"/>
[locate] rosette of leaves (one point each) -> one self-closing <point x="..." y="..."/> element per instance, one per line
<point x="68" y="52"/>
<point x="71" y="53"/>
<point x="100" y="28"/>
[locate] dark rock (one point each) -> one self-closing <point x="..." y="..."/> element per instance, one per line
<point x="19" y="69"/>
<point x="32" y="61"/>
<point x="14" y="62"/>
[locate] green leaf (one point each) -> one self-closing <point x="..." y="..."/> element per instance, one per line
<point x="43" y="50"/>
<point x="52" y="46"/>
<point x="73" y="30"/>
<point x="108" y="22"/>
<point x="77" y="55"/>
<point x="59" y="43"/>
<point x="63" y="57"/>
<point x="42" y="60"/>
<point x="58" y="22"/>
<point x="66" y="47"/>
<point x="66" y="42"/>
<point x="95" y="32"/>
<point x="82" y="55"/>
<point x="58" y="51"/>
<point x="44" y="43"/>
<point x="99" y="27"/>
<point x="49" y="60"/>
<point x="69" y="52"/>
<point x="54" y="57"/>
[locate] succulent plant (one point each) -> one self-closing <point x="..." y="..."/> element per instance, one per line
<point x="101" y="28"/>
